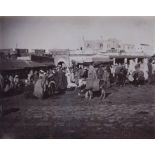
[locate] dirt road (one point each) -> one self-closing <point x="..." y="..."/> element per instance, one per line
<point x="127" y="112"/>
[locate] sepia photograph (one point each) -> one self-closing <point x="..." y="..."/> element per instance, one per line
<point x="77" y="77"/>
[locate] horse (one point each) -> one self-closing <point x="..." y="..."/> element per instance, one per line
<point x="96" y="86"/>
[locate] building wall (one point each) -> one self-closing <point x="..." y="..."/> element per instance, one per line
<point x="144" y="48"/>
<point x="81" y="58"/>
<point x="129" y="48"/>
<point x="75" y="55"/>
<point x="93" y="44"/>
<point x="103" y="45"/>
<point x="62" y="58"/>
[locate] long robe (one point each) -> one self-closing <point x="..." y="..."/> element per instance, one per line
<point x="69" y="83"/>
<point x="131" y="67"/>
<point x="62" y="80"/>
<point x="92" y="82"/>
<point x="100" y="73"/>
<point x="38" y="89"/>
<point x="1" y="82"/>
<point x="92" y="73"/>
<point x="144" y="68"/>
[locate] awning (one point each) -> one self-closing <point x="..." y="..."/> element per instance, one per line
<point x="21" y="64"/>
<point x="128" y="56"/>
<point x="85" y="63"/>
<point x="101" y="59"/>
<point x="12" y="64"/>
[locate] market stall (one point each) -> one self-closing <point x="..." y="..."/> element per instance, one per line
<point x="102" y="60"/>
<point x="126" y="58"/>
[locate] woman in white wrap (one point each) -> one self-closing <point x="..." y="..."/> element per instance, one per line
<point x="39" y="87"/>
<point x="144" y="68"/>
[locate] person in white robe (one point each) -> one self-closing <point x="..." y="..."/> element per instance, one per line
<point x="131" y="69"/>
<point x="39" y="87"/>
<point x="70" y="84"/>
<point x="153" y="67"/>
<point x="144" y="68"/>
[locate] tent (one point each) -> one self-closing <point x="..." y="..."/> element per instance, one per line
<point x="128" y="56"/>
<point x="84" y="63"/>
<point x="8" y="65"/>
<point x="102" y="60"/>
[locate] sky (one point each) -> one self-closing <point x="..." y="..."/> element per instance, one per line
<point x="68" y="32"/>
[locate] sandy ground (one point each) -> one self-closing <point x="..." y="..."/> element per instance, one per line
<point x="127" y="112"/>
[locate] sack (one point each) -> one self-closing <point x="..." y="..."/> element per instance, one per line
<point x="130" y="78"/>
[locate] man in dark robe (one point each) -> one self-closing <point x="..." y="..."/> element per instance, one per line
<point x="149" y="72"/>
<point x="1" y="84"/>
<point x="61" y="80"/>
<point x="138" y="76"/>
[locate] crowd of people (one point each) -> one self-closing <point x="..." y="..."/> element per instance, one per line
<point x="137" y="73"/>
<point x="120" y="73"/>
<point x="10" y="83"/>
<point x="40" y="82"/>
<point x="45" y="82"/>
